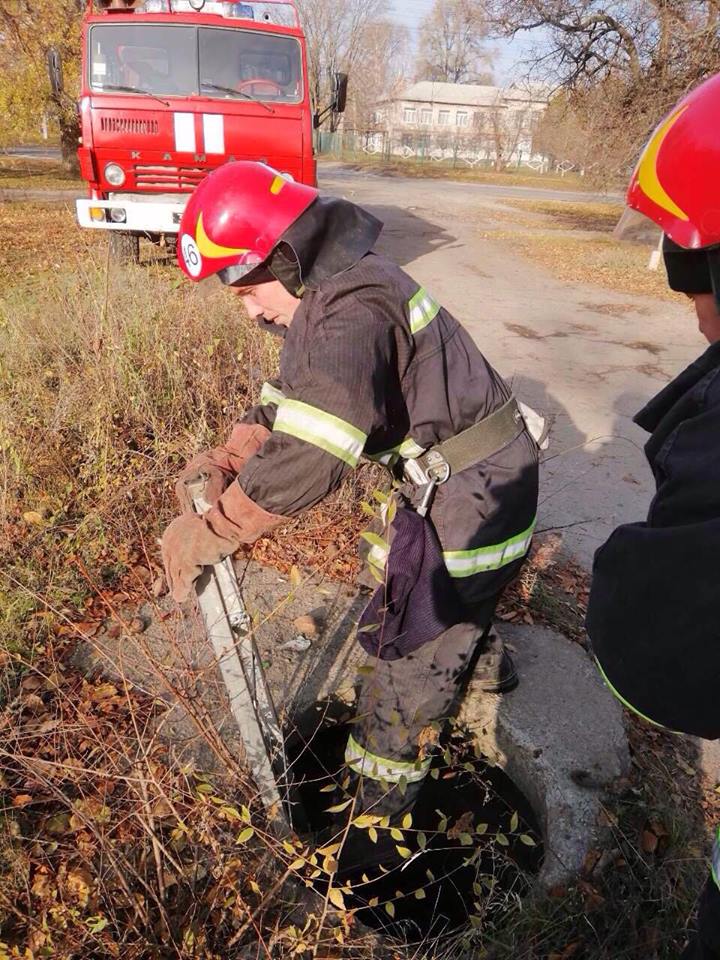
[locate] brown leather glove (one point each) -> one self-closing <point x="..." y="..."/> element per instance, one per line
<point x="221" y="464"/>
<point x="192" y="542"/>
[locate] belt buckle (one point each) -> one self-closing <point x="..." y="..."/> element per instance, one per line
<point x="436" y="469"/>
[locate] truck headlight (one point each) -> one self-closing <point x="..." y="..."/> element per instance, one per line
<point x="114" y="174"/>
<point x="117" y="215"/>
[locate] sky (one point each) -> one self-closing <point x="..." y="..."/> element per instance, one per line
<point x="507" y="53"/>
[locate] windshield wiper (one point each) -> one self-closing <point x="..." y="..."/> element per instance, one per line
<point x="145" y="93"/>
<point x="236" y="93"/>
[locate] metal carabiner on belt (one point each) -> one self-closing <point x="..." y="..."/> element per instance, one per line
<point x="437" y="472"/>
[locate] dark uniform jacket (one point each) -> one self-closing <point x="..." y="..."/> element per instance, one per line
<point x="654" y="611"/>
<point x="372" y="366"/>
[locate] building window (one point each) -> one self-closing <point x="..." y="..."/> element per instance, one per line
<point x="426" y="117"/>
<point x="461" y="118"/>
<point x="444" y="118"/>
<point x="409" y="115"/>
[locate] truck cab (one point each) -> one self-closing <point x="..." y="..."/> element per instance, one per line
<point x="172" y="89"/>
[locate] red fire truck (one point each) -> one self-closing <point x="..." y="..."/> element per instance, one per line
<point x="172" y="89"/>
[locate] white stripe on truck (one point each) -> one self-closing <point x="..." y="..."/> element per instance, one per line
<point x="214" y="132"/>
<point x="184" y="132"/>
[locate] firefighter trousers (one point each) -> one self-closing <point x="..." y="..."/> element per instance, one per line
<point x="399" y="700"/>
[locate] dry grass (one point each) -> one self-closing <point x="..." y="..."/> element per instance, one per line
<point x="441" y="171"/>
<point x="622" y="267"/>
<point x="571" y="215"/>
<point x="110" y="379"/>
<point x="564" y="237"/>
<point x="35" y="174"/>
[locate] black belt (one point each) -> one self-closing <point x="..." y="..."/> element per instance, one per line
<point x="468" y="447"/>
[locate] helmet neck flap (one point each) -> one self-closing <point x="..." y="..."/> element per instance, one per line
<point x="692" y="271"/>
<point x="330" y="237"/>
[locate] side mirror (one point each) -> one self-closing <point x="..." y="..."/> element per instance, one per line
<point x="317" y="120"/>
<point x="55" y="73"/>
<point x="340" y="92"/>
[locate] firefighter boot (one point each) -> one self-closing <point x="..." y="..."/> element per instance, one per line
<point x="494" y="670"/>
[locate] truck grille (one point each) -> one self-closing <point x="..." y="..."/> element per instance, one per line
<point x="156" y="176"/>
<point x="129" y="125"/>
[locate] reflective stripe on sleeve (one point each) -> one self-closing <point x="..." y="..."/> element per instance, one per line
<point x="322" y="429"/>
<point x="423" y="310"/>
<point x="370" y="765"/>
<point x="408" y="450"/>
<point x="271" y="395"/>
<point x="466" y="563"/>
<point x="716" y="859"/>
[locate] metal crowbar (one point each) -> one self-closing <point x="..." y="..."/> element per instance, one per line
<point x="229" y="630"/>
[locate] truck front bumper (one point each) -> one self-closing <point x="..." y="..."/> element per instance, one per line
<point x="133" y="212"/>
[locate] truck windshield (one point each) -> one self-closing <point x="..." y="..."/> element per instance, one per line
<point x="186" y="61"/>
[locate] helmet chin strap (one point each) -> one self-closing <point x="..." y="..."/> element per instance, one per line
<point x="713" y="256"/>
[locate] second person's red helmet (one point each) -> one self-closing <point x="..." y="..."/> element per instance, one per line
<point x="235" y="218"/>
<point x="676" y="182"/>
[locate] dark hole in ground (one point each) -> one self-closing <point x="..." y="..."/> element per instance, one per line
<point x="482" y="844"/>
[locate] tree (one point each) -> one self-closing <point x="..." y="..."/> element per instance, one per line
<point x="379" y="71"/>
<point x="452" y="43"/>
<point x="622" y="65"/>
<point x="29" y="29"/>
<point x="336" y="32"/>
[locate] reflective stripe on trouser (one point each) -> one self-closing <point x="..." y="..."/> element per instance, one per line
<point x="368" y="764"/>
<point x="716" y="859"/>
<point x="320" y="428"/>
<point x="402" y="697"/>
<point x="467" y="563"/>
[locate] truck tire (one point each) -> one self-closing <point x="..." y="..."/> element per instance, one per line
<point x="124" y="247"/>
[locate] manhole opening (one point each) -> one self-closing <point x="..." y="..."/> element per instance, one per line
<point x="473" y="848"/>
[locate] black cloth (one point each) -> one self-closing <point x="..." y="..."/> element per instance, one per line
<point x="654" y="609"/>
<point x="328" y="239"/>
<point x="417" y="601"/>
<point x="705" y="944"/>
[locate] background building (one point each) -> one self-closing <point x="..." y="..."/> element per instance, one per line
<point x="472" y="121"/>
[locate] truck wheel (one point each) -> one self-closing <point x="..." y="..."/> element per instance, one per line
<point x="124" y="247"/>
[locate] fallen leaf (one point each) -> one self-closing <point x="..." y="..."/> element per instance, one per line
<point x="648" y="842"/>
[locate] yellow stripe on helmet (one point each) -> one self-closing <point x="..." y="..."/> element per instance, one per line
<point x="208" y="248"/>
<point x="647" y="174"/>
<point x="277" y="185"/>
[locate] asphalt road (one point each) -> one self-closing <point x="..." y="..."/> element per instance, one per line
<point x="586" y="356"/>
<point x="34" y="151"/>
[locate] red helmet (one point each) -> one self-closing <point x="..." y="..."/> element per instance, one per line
<point x="235" y="218"/>
<point x="677" y="180"/>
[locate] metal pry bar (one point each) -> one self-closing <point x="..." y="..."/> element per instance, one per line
<point x="228" y="628"/>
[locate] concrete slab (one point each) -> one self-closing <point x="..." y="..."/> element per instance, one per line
<point x="560" y="737"/>
<point x="162" y="650"/>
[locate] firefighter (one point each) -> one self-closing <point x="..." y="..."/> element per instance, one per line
<point x="654" y="610"/>
<point x="371" y="366"/>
